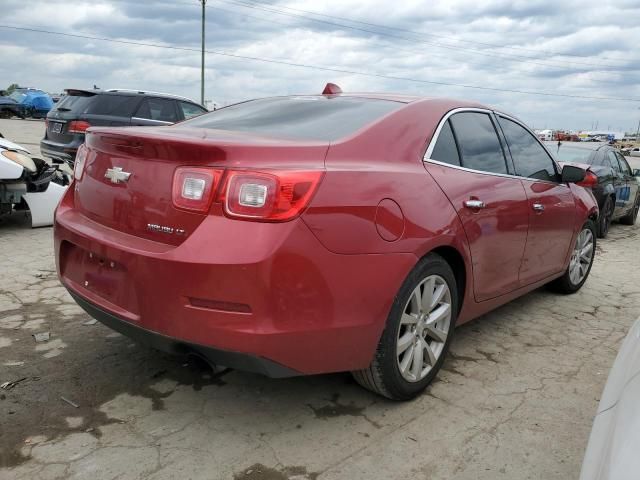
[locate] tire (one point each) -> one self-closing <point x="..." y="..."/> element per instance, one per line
<point x="630" y="218"/>
<point x="570" y="283"/>
<point x="411" y="326"/>
<point x="604" y="220"/>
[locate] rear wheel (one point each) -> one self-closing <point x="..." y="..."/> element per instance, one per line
<point x="630" y="218"/>
<point x="584" y="251"/>
<point x="606" y="214"/>
<point x="417" y="335"/>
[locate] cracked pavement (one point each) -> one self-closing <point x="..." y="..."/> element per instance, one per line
<point x="515" y="399"/>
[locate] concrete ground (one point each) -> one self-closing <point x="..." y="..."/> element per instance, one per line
<point x="515" y="399"/>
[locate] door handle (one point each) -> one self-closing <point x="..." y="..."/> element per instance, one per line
<point x="538" y="207"/>
<point x="474" y="204"/>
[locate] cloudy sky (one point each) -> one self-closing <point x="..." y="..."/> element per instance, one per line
<point x="582" y="48"/>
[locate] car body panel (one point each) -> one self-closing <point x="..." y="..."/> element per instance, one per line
<point x="288" y="292"/>
<point x="612" y="452"/>
<point x="554" y="225"/>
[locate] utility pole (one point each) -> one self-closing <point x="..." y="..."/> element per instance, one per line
<point x="204" y="3"/>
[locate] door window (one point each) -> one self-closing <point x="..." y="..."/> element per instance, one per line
<point x="614" y="161"/>
<point x="530" y="158"/>
<point x="189" y="110"/>
<point x="480" y="148"/>
<point x="624" y="165"/>
<point x="446" y="149"/>
<point x="161" y="109"/>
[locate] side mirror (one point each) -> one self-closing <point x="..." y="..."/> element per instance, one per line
<point x="571" y="174"/>
<point x="636" y="173"/>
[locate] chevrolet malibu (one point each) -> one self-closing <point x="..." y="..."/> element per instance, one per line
<point x="323" y="233"/>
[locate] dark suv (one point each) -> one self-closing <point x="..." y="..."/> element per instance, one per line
<point x="81" y="109"/>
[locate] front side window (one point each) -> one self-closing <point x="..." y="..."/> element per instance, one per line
<point x="161" y="109"/>
<point x="626" y="169"/>
<point x="445" y="149"/>
<point x="530" y="158"/>
<point x="480" y="148"/>
<point x="614" y="161"/>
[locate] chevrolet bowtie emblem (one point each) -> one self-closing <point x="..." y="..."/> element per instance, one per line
<point x="116" y="175"/>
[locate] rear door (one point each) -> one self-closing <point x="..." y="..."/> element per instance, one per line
<point x="156" y="111"/>
<point x="551" y="207"/>
<point x="468" y="162"/>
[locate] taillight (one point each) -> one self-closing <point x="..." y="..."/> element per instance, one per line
<point x="78" y="166"/>
<point x="78" y="126"/>
<point x="268" y="196"/>
<point x="194" y="187"/>
<point x="590" y="180"/>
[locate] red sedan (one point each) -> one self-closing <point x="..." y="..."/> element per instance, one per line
<point x="310" y="234"/>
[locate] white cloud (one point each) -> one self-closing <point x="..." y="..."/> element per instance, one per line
<point x="453" y="46"/>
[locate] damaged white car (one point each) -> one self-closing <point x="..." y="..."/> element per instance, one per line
<point x="29" y="184"/>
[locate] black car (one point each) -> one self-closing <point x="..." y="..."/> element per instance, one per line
<point x="10" y="108"/>
<point x="78" y="110"/>
<point x="611" y="179"/>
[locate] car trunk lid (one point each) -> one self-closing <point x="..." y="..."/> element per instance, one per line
<point x="142" y="205"/>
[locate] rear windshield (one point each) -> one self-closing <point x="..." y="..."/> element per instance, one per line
<point x="573" y="154"/>
<point x="73" y="103"/>
<point x="304" y="118"/>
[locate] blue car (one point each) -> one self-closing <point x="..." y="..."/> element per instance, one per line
<point x="32" y="102"/>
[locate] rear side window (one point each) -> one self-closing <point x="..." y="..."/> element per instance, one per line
<point x="189" y="110"/>
<point x="306" y="118"/>
<point x="530" y="158"/>
<point x="161" y="109"/>
<point x="446" y="149"/>
<point x="114" y="105"/>
<point x="478" y="141"/>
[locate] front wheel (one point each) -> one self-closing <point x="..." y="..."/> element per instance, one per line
<point x="417" y="335"/>
<point x="582" y="255"/>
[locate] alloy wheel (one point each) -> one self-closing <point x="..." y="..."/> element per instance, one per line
<point x="581" y="256"/>
<point x="424" y="327"/>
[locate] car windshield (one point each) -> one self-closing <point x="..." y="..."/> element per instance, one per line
<point x="305" y="117"/>
<point x="572" y="154"/>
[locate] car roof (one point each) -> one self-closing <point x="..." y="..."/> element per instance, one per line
<point x="128" y="92"/>
<point x="594" y="146"/>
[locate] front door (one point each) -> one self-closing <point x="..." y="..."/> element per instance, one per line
<point x="470" y="168"/>
<point x="551" y="205"/>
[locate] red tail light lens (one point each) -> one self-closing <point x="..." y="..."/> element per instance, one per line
<point x="78" y="126"/>
<point x="194" y="187"/>
<point x="269" y="196"/>
<point x="590" y="180"/>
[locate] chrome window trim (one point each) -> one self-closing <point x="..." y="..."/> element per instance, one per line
<point x="152" y="120"/>
<point x="443" y="120"/>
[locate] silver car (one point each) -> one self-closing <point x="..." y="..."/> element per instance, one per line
<point x="613" y="452"/>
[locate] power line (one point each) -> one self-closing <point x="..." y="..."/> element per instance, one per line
<point x="396" y="49"/>
<point x="516" y="58"/>
<point x="413" y="32"/>
<point x="316" y="67"/>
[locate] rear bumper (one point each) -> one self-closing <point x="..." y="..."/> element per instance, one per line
<point x="59" y="151"/>
<point x="266" y="291"/>
<point x="245" y="362"/>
